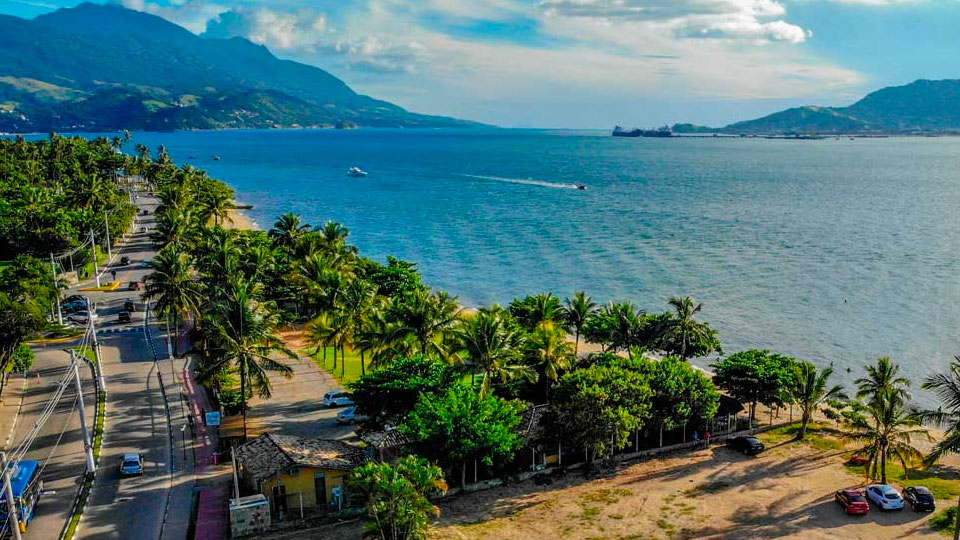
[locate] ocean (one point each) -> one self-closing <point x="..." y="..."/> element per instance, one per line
<point x="836" y="251"/>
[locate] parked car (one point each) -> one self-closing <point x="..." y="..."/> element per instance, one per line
<point x="74" y="298"/>
<point x="129" y="305"/>
<point x="350" y="416"/>
<point x="853" y="501"/>
<point x="131" y="465"/>
<point x="82" y="317"/>
<point x="337" y="398"/>
<point x="920" y="499"/>
<point x="748" y="446"/>
<point x="74" y="306"/>
<point x="124" y="260"/>
<point x="135" y="286"/>
<point x="885" y="496"/>
<point x="145" y="263"/>
<point x="123" y="316"/>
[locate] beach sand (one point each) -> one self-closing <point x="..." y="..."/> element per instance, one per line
<point x="238" y="220"/>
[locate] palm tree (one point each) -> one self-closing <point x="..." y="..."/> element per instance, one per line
<point x="536" y="309"/>
<point x="882" y="378"/>
<point x="244" y="328"/>
<point x="681" y="333"/>
<point x="946" y="386"/>
<point x="288" y="231"/>
<point x="548" y="351"/>
<point x="216" y="204"/>
<point x="172" y="286"/>
<point x="492" y="346"/>
<point x="887" y="431"/>
<point x="319" y="333"/>
<point x="622" y="325"/>
<point x="360" y="300"/>
<point x="424" y="321"/>
<point x="809" y="390"/>
<point x="576" y="311"/>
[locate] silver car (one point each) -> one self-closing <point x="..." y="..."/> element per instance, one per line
<point x="131" y="465"/>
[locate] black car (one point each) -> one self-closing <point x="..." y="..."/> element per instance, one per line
<point x="749" y="446"/>
<point x="130" y="306"/>
<point x="124" y="261"/>
<point x="123" y="316"/>
<point x="920" y="499"/>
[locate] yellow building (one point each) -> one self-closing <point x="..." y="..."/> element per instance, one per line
<point x="297" y="474"/>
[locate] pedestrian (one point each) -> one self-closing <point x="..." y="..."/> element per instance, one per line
<point x="706" y="438"/>
<point x="114" y="274"/>
<point x="696" y="438"/>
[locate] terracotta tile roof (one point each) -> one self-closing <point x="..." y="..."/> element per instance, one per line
<point x="268" y="453"/>
<point x="385" y="439"/>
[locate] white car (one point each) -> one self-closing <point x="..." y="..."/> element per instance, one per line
<point x="337" y="398"/>
<point x="82" y="317"/>
<point x="885" y="496"/>
<point x="350" y="416"/>
<point x="131" y="465"/>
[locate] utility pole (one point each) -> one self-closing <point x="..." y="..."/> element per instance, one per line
<point x="53" y="266"/>
<point x="88" y="447"/>
<point x="11" y="504"/>
<point x="106" y="228"/>
<point x="169" y="346"/>
<point x="96" y="267"/>
<point x="96" y="351"/>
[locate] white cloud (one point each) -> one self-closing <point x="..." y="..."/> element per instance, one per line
<point x="278" y="30"/>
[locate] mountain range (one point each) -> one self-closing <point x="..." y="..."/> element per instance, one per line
<point x="921" y="107"/>
<point x="104" y="67"/>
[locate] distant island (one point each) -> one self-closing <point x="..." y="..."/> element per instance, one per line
<point x="104" y="67"/>
<point x="923" y="107"/>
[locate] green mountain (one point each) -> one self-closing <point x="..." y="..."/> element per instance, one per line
<point x="104" y="67"/>
<point x="922" y="106"/>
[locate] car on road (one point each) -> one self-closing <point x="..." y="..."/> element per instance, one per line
<point x="885" y="496"/>
<point x="129" y="305"/>
<point x="337" y="398"/>
<point x="350" y="416"/>
<point x="853" y="502"/>
<point x="920" y="499"/>
<point x="74" y="305"/>
<point x="135" y="286"/>
<point x="748" y="446"/>
<point x="131" y="465"/>
<point x="124" y="261"/>
<point x="124" y="317"/>
<point x="143" y="229"/>
<point x="145" y="263"/>
<point x="82" y="317"/>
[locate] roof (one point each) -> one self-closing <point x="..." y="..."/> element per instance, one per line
<point x="385" y="439"/>
<point x="532" y="422"/>
<point x="20" y="477"/>
<point x="269" y="453"/>
<point x="131" y="456"/>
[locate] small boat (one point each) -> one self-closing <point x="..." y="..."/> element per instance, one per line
<point x="216" y="158"/>
<point x="580" y="186"/>
<point x="356" y="172"/>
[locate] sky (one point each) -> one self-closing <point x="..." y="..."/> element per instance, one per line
<point x="590" y="63"/>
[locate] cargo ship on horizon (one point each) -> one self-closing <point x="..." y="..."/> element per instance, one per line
<point x="664" y="131"/>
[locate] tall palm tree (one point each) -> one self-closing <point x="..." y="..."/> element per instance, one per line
<point x="576" y="311"/>
<point x="887" y="430"/>
<point x="491" y="346"/>
<point x="319" y="333"/>
<point x="548" y="351"/>
<point x="424" y="321"/>
<point x="360" y="300"/>
<point x="536" y="309"/>
<point x="946" y="386"/>
<point x="216" y="204"/>
<point x="809" y="390"/>
<point x="244" y="328"/>
<point x="171" y="285"/>
<point x="882" y="378"/>
<point x="681" y="333"/>
<point x="288" y="230"/>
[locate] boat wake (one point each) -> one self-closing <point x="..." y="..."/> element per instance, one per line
<point x="525" y="181"/>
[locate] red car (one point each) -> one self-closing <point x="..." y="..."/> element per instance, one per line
<point x="853" y="501"/>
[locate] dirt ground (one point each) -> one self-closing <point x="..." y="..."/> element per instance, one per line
<point x="786" y="492"/>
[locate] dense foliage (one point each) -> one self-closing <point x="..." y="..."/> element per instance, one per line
<point x="391" y="392"/>
<point x="396" y="496"/>
<point x="754" y="377"/>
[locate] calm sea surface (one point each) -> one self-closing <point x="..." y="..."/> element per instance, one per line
<point x="834" y="251"/>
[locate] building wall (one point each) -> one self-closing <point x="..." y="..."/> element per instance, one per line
<point x="303" y="482"/>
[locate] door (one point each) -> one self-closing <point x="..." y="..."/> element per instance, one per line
<point x="320" y="487"/>
<point x="280" y="500"/>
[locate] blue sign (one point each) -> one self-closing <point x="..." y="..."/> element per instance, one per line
<point x="213" y="418"/>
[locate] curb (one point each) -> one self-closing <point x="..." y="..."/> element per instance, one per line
<point x="16" y="417"/>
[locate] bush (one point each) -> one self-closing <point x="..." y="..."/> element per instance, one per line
<point x="23" y="359"/>
<point x="945" y="520"/>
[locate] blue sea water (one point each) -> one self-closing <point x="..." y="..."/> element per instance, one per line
<point x="832" y="250"/>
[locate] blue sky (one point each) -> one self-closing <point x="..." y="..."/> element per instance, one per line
<point x="591" y="63"/>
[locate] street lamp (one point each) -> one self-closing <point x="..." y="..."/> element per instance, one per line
<point x="183" y="439"/>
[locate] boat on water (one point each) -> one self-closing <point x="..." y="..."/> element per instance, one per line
<point x="582" y="187"/>
<point x="664" y="131"/>
<point x="356" y="172"/>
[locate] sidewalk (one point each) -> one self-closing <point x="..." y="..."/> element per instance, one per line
<point x="13" y="394"/>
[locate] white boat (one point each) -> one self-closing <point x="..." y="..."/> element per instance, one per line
<point x="356" y="172"/>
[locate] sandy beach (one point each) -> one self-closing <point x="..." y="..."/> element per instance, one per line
<point x="238" y="220"/>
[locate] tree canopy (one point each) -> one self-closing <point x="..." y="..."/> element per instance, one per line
<point x="754" y="376"/>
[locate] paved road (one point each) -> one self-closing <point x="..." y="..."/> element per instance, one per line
<point x="136" y="423"/>
<point x="59" y="447"/>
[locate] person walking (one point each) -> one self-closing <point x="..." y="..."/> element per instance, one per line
<point x="706" y="438"/>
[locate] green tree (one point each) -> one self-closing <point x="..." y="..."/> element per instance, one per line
<point x="946" y="386"/>
<point x="533" y="310"/>
<point x="391" y="392"/>
<point x="681" y="393"/>
<point x="288" y="231"/>
<point x="881" y="379"/>
<point x="397" y="278"/>
<point x="492" y="346"/>
<point x="809" y="389"/>
<point x="617" y="326"/>
<point x="598" y="407"/>
<point x="576" y="312"/>
<point x="424" y="321"/>
<point x="244" y="329"/>
<point x="681" y="335"/>
<point x="397" y="496"/>
<point x="461" y="426"/>
<point x="886" y="429"/>
<point x="547" y="351"/>
<point x="172" y="287"/>
<point x="754" y="377"/>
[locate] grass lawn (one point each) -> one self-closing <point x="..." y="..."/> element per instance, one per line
<point x="347" y="371"/>
<point x="87" y="352"/>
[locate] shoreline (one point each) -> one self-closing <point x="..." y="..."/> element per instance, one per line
<point x="237" y="219"/>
